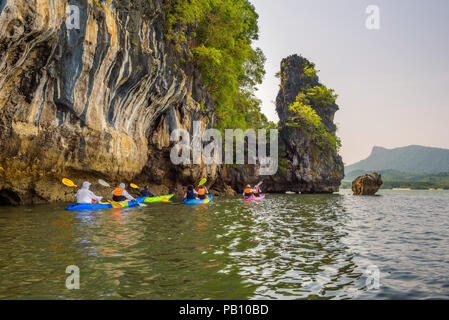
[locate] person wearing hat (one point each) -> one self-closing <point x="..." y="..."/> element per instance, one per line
<point x="120" y="194"/>
<point x="84" y="195"/>
<point x="248" y="192"/>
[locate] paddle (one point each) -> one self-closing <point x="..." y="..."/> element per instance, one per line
<point x="104" y="183"/>
<point x="114" y="203"/>
<point x="68" y="183"/>
<point x="202" y="182"/>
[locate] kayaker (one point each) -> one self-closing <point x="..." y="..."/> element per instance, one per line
<point x="120" y="194"/>
<point x="202" y="192"/>
<point x="84" y="195"/>
<point x="257" y="192"/>
<point x="191" y="193"/>
<point x="147" y="193"/>
<point x="248" y="192"/>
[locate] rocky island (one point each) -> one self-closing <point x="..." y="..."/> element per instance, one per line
<point x="367" y="184"/>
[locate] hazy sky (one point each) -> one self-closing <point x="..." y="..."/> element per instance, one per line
<point x="393" y="83"/>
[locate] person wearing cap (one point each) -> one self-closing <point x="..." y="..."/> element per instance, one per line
<point x="248" y="192"/>
<point x="84" y="195"/>
<point x="120" y="194"/>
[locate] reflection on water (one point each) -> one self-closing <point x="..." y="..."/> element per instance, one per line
<point x="285" y="247"/>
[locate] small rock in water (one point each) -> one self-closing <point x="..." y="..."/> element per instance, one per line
<point x="367" y="184"/>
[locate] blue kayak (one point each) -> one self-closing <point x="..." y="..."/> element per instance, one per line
<point x="99" y="206"/>
<point x="197" y="201"/>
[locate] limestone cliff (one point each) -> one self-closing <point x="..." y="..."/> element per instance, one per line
<point x="306" y="168"/>
<point x="89" y="102"/>
<point x="99" y="99"/>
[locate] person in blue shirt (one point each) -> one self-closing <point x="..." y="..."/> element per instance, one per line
<point x="191" y="193"/>
<point x="147" y="193"/>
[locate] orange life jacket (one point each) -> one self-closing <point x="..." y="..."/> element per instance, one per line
<point x="248" y="190"/>
<point x="118" y="192"/>
<point x="201" y="191"/>
<point x="257" y="190"/>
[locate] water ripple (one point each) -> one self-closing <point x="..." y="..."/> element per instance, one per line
<point x="285" y="247"/>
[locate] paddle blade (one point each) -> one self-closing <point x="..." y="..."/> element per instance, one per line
<point x="134" y="186"/>
<point x="202" y="182"/>
<point x="68" y="183"/>
<point x="104" y="183"/>
<point x="259" y="184"/>
<point x="115" y="204"/>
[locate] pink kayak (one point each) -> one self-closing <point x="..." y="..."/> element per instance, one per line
<point x="262" y="196"/>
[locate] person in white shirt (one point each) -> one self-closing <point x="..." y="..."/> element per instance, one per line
<point x="84" y="195"/>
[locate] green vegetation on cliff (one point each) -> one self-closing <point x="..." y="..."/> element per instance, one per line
<point x="313" y="98"/>
<point x="219" y="35"/>
<point x="305" y="116"/>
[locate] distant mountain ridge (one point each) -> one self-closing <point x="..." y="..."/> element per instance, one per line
<point x="398" y="179"/>
<point x="394" y="175"/>
<point x="413" y="158"/>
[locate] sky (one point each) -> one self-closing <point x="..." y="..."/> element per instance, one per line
<point x="392" y="83"/>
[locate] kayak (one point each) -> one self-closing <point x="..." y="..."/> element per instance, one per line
<point x="197" y="201"/>
<point x="99" y="206"/>
<point x="253" y="198"/>
<point x="154" y="199"/>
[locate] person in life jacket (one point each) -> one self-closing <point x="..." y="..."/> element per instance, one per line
<point x="257" y="192"/>
<point x="202" y="192"/>
<point x="248" y="192"/>
<point x="84" y="195"/>
<point x="120" y="194"/>
<point x="147" y="193"/>
<point x="191" y="193"/>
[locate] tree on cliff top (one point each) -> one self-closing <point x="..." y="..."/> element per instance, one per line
<point x="219" y="34"/>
